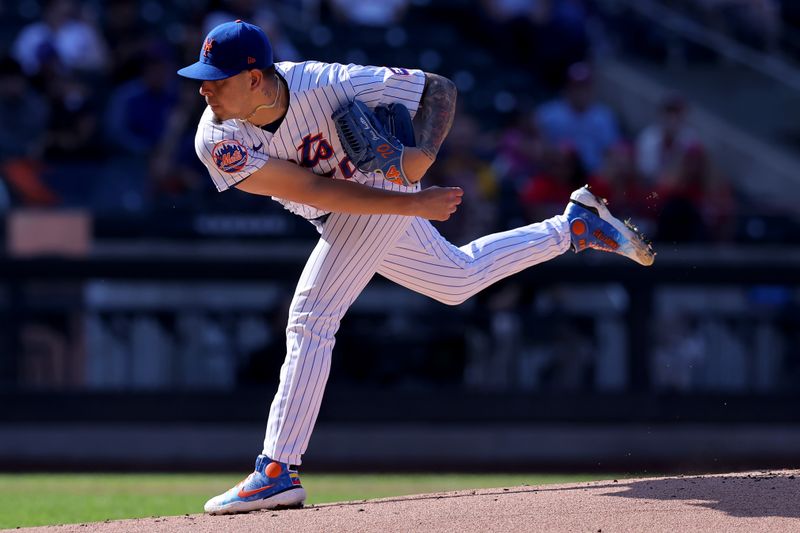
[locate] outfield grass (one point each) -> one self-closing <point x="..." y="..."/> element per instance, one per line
<point x="46" y="499"/>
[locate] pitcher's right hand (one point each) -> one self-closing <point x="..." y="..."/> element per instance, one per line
<point x="438" y="203"/>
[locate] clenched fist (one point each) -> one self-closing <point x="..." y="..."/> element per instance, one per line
<point x="438" y="203"/>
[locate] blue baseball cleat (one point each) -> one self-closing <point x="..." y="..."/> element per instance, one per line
<point x="272" y="485"/>
<point x="592" y="226"/>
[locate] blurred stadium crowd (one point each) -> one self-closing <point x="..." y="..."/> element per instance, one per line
<point x="95" y="116"/>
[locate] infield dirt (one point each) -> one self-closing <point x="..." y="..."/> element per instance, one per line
<point x="767" y="501"/>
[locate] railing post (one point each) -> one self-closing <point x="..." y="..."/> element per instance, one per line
<point x="639" y="323"/>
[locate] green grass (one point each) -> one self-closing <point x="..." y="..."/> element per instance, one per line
<point x="45" y="499"/>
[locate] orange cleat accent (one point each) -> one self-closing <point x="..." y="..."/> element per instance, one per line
<point x="578" y="227"/>
<point x="247" y="493"/>
<point x="273" y="469"/>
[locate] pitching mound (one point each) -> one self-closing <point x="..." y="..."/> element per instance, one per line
<point x="747" y="502"/>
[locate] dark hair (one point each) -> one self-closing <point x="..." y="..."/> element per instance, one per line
<point x="269" y="71"/>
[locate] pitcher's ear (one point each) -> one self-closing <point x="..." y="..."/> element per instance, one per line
<point x="255" y="78"/>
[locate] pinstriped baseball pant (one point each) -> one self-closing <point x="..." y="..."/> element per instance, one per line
<point x="408" y="251"/>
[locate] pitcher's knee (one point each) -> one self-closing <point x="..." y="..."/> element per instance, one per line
<point x="316" y="329"/>
<point x="453" y="300"/>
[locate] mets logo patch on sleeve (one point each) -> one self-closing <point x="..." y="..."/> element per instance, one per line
<point x="229" y="155"/>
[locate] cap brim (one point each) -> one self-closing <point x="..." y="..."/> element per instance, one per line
<point x="205" y="72"/>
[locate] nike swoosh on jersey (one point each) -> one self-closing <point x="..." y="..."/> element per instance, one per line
<point x="248" y="493"/>
<point x="257" y="148"/>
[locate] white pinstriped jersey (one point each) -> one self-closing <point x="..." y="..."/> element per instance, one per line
<point x="234" y="149"/>
<point x="353" y="248"/>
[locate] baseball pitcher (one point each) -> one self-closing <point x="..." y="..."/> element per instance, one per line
<point x="345" y="147"/>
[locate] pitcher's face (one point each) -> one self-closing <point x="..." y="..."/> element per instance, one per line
<point x="228" y="98"/>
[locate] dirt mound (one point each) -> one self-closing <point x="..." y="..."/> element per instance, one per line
<point x="755" y="501"/>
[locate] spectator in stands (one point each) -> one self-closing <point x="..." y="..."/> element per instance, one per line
<point x="579" y="120"/>
<point x="561" y="40"/>
<point x="561" y="173"/>
<point x="21" y="145"/>
<point x="697" y="204"/>
<point x="128" y="37"/>
<point x="544" y="36"/>
<point x="220" y="11"/>
<point x="77" y="43"/>
<point x="137" y="120"/>
<point x="192" y="32"/>
<point x="72" y="147"/>
<point x="518" y="156"/>
<point x="368" y="12"/>
<point x="623" y="187"/>
<point x="178" y="179"/>
<point x="71" y="130"/>
<point x="617" y="181"/>
<point x="138" y="110"/>
<point x="509" y="27"/>
<point x="660" y="146"/>
<point x="260" y="15"/>
<point x="519" y="151"/>
<point x="462" y="166"/>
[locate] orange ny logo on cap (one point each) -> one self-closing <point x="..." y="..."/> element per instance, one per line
<point x="251" y="60"/>
<point x="207" y="47"/>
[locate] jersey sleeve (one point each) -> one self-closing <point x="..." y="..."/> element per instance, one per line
<point x="228" y="151"/>
<point x="386" y="85"/>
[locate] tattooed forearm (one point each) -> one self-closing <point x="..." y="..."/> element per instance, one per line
<point x="435" y="115"/>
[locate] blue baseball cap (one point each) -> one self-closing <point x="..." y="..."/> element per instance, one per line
<point x="229" y="49"/>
